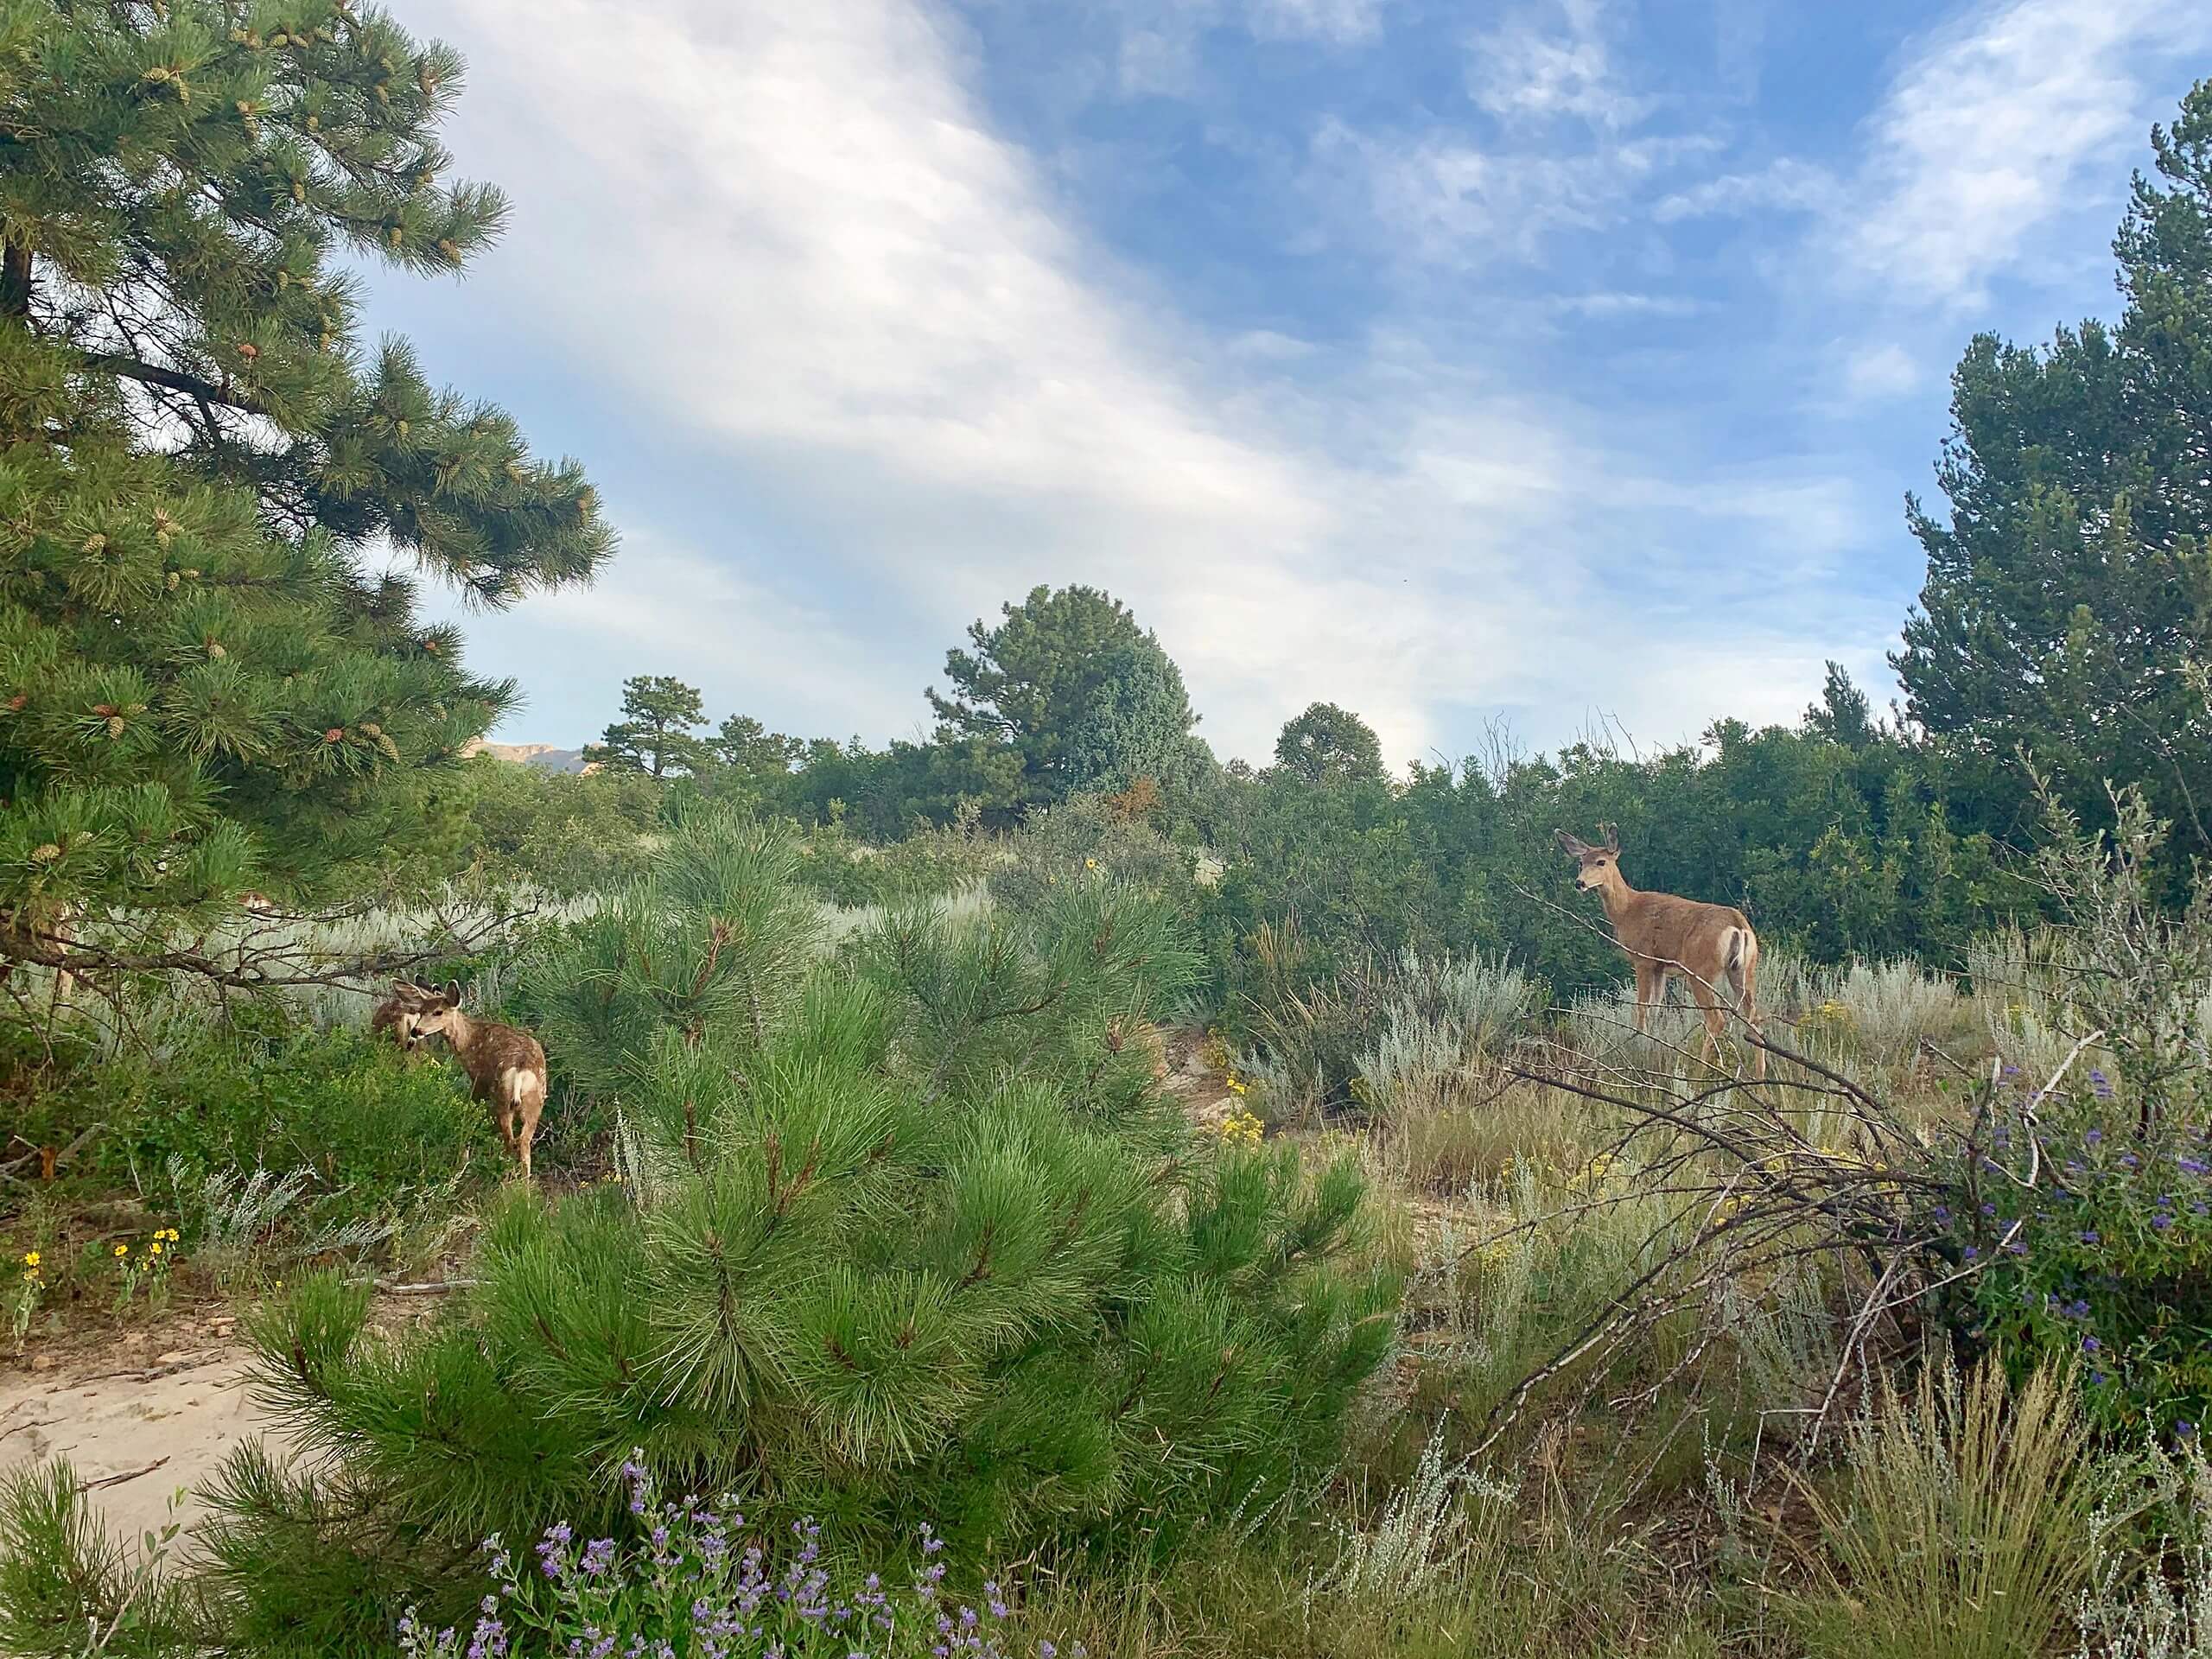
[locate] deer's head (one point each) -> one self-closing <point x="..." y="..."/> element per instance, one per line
<point x="1595" y="865"/>
<point x="436" y="1014"/>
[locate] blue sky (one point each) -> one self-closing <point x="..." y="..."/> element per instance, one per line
<point x="1554" y="363"/>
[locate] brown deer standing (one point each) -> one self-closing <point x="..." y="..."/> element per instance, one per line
<point x="1711" y="947"/>
<point x="506" y="1065"/>
<point x="395" y="1017"/>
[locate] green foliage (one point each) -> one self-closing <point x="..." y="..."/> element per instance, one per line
<point x="2073" y="583"/>
<point x="1070" y="684"/>
<point x="2090" y="1202"/>
<point x="67" y="1588"/>
<point x="1963" y="1524"/>
<point x="657" y="734"/>
<point x="557" y="834"/>
<point x="1138" y="724"/>
<point x="1083" y="838"/>
<point x="202" y="684"/>
<point x="1834" y="848"/>
<point x="262" y="1139"/>
<point x="907" y="1234"/>
<point x="1328" y="745"/>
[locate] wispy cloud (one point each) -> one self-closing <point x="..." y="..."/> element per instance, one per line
<point x="792" y="239"/>
<point x="1881" y="371"/>
<point x="1328" y="19"/>
<point x="1552" y="62"/>
<point x="1989" y="128"/>
<point x="1784" y="185"/>
<point x="1615" y="303"/>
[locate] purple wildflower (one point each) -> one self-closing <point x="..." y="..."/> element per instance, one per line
<point x="2093" y="1136"/>
<point x="2100" y="1084"/>
<point x="2161" y="1221"/>
<point x="2090" y="1345"/>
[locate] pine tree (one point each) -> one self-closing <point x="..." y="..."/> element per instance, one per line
<point x="908" y="1233"/>
<point x="204" y="680"/>
<point x="2071" y="590"/>
<point x="1328" y="745"/>
<point x="657" y="733"/>
<point x="1045" y="681"/>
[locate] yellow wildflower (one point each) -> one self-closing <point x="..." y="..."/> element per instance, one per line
<point x="1090" y="863"/>
<point x="30" y="1258"/>
<point x="123" y="1249"/>
<point x="1243" y="1127"/>
<point x="156" y="1246"/>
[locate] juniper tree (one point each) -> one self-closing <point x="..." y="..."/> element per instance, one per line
<point x="206" y="678"/>
<point x="912" y="1235"/>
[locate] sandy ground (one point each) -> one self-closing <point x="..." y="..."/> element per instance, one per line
<point x="138" y="1418"/>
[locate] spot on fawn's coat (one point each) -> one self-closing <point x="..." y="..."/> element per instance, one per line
<point x="506" y="1066"/>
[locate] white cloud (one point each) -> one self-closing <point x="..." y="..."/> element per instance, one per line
<point x="1328" y="20"/>
<point x="1550" y="64"/>
<point x="1877" y="372"/>
<point x="1614" y="303"/>
<point x="1990" y="128"/>
<point x="787" y="239"/>
<point x="1786" y="184"/>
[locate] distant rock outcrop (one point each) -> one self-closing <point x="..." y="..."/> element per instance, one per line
<point x="544" y="757"/>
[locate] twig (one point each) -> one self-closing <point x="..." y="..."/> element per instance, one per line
<point x="427" y="1287"/>
<point x="84" y="1486"/>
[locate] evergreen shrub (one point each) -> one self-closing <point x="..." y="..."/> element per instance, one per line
<point x="905" y="1233"/>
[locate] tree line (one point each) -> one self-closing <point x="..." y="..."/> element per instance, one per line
<point x="214" y="675"/>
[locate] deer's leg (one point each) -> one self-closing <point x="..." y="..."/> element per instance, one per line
<point x="1746" y="981"/>
<point x="528" y="1099"/>
<point x="1650" y="986"/>
<point x="1709" y="1006"/>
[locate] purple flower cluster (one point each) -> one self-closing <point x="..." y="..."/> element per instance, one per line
<point x="692" y="1580"/>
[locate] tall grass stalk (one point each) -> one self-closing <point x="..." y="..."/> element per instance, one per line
<point x="1963" y="1525"/>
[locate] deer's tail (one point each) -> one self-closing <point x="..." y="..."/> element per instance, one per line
<point x="1741" y="966"/>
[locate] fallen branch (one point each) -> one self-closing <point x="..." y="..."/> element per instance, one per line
<point x="427" y="1287"/>
<point x="84" y="1486"/>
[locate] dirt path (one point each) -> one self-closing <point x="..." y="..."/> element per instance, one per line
<point x="140" y="1414"/>
<point x="138" y="1418"/>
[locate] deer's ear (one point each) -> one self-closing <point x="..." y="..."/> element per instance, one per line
<point x="1612" y="835"/>
<point x="453" y="992"/>
<point x="1570" y="843"/>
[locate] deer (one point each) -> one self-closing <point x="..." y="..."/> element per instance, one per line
<point x="505" y="1066"/>
<point x="395" y="1017"/>
<point x="1711" y="947"/>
